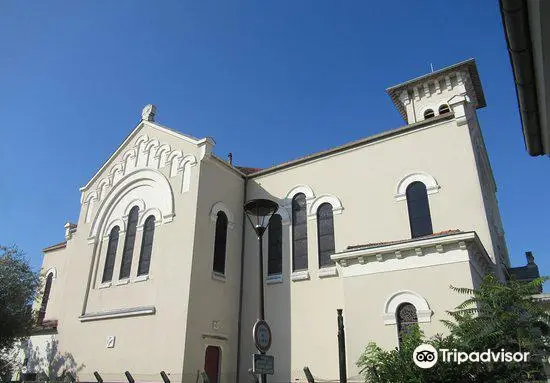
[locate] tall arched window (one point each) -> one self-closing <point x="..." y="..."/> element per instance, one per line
<point x="419" y="210"/>
<point x="146" y="246"/>
<point x="406" y="318"/>
<point x="275" y="246"/>
<point x="220" y="243"/>
<point x="126" y="263"/>
<point x="325" y="232"/>
<point x="45" y="298"/>
<point x="444" y="109"/>
<point x="299" y="232"/>
<point x="111" y="255"/>
<point x="429" y="113"/>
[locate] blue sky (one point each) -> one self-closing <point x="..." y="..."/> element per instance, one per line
<point x="301" y="75"/>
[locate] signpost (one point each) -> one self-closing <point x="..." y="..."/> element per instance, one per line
<point x="263" y="364"/>
<point x="262" y="335"/>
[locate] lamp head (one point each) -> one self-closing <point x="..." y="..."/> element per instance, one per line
<point x="259" y="212"/>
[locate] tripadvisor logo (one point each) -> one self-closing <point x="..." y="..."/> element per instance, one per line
<point x="426" y="356"/>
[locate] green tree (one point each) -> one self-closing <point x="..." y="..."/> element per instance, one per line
<point x="504" y="316"/>
<point x="18" y="285"/>
<point x="495" y="316"/>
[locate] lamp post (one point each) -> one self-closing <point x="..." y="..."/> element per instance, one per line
<point x="259" y="213"/>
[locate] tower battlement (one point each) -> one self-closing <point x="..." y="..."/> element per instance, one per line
<point x="432" y="94"/>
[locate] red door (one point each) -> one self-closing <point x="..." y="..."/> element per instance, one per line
<point x="212" y="363"/>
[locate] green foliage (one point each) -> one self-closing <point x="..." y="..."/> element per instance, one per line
<point x="504" y="316"/>
<point x="18" y="284"/>
<point x="397" y="366"/>
<point x="495" y="316"/>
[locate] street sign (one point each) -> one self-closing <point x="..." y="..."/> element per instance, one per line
<point x="262" y="335"/>
<point x="263" y="364"/>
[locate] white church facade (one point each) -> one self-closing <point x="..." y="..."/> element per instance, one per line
<point x="161" y="271"/>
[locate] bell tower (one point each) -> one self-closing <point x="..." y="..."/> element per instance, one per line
<point x="454" y="89"/>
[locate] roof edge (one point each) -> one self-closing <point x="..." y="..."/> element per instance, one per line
<point x="141" y="124"/>
<point x="57" y="246"/>
<point x="355" y="144"/>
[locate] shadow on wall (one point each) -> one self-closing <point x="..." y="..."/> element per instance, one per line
<point x="49" y="364"/>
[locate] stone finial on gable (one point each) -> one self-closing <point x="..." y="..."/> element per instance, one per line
<point x="148" y="113"/>
<point x="70" y="229"/>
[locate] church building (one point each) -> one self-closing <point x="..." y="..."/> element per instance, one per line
<point x="161" y="271"/>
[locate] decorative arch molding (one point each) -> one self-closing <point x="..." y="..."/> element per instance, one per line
<point x="334" y="201"/>
<point x="140" y="203"/>
<point x="141" y="140"/>
<point x="220" y="206"/>
<point x="90" y="202"/>
<point x="121" y="223"/>
<point x="116" y="172"/>
<point x="150" y="185"/>
<point x="143" y="215"/>
<point x="129" y="159"/>
<point x="305" y="189"/>
<point x="91" y="195"/>
<point x="426" y="108"/>
<point x="285" y="216"/>
<point x="440" y="105"/>
<point x="53" y="271"/>
<point x="185" y="166"/>
<point x="174" y="158"/>
<point x="154" y="143"/>
<point x="188" y="160"/>
<point x="102" y="186"/>
<point x="431" y="184"/>
<point x="423" y="311"/>
<point x="162" y="154"/>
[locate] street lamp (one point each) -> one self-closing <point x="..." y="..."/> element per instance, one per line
<point x="259" y="213"/>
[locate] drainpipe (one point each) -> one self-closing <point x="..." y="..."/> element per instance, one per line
<point x="515" y="20"/>
<point x="239" y="330"/>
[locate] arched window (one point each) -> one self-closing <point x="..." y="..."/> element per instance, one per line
<point x="146" y="246"/>
<point x="126" y="263"/>
<point x="220" y="243"/>
<point x="429" y="114"/>
<point x="299" y="232"/>
<point x="325" y="233"/>
<point x="444" y="109"/>
<point x="275" y="246"/>
<point x="111" y="255"/>
<point x="406" y="318"/>
<point x="45" y="298"/>
<point x="419" y="210"/>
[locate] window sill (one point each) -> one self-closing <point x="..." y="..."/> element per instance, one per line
<point x="218" y="276"/>
<point x="119" y="313"/>
<point x="124" y="281"/>
<point x="301" y="275"/>
<point x="274" y="278"/>
<point x="141" y="278"/>
<point x="104" y="285"/>
<point x="326" y="272"/>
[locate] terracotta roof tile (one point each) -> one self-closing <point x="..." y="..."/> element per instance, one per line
<point x="247" y="170"/>
<point x="375" y="244"/>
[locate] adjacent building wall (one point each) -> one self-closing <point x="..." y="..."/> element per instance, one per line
<point x="213" y="299"/>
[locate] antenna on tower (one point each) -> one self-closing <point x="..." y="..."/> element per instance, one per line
<point x="432" y="67"/>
